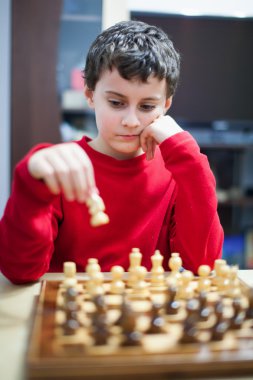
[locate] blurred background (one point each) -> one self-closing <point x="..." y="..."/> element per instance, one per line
<point x="43" y="46"/>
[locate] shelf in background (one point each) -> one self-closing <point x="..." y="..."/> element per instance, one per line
<point x="241" y="202"/>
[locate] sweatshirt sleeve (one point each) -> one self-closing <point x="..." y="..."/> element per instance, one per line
<point x="197" y="233"/>
<point x="28" y="227"/>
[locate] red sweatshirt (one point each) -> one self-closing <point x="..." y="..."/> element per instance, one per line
<point x="168" y="203"/>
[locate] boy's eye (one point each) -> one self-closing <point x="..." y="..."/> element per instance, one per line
<point x="147" y="107"/>
<point x="116" y="103"/>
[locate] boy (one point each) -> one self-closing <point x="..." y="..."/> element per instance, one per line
<point x="158" y="189"/>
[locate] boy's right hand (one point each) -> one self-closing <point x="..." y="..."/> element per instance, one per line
<point x="64" y="168"/>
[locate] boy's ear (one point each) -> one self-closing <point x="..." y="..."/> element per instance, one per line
<point x="89" y="96"/>
<point x="168" y="104"/>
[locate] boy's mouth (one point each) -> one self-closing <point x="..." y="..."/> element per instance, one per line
<point x="129" y="137"/>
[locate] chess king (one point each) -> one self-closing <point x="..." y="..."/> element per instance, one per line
<point x="157" y="186"/>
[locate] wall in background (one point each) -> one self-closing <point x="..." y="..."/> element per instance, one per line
<point x="120" y="12"/>
<point x="5" y="38"/>
<point x="242" y="8"/>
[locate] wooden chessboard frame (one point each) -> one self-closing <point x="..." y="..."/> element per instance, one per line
<point x="43" y="364"/>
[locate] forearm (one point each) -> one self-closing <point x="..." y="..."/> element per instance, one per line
<point x="197" y="233"/>
<point x="27" y="229"/>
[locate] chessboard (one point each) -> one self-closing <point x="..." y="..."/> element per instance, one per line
<point x="146" y="325"/>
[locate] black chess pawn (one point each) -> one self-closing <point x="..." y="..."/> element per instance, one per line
<point x="99" y="330"/>
<point x="99" y="302"/>
<point x="123" y="310"/>
<point x="239" y="314"/>
<point x="70" y="294"/>
<point x="190" y="331"/>
<point x="221" y="325"/>
<point x="71" y="309"/>
<point x="204" y="309"/>
<point x="131" y="337"/>
<point x="249" y="312"/>
<point x="157" y="322"/>
<point x="172" y="305"/>
<point x="70" y="326"/>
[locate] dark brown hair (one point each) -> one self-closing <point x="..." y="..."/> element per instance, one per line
<point x="137" y="50"/>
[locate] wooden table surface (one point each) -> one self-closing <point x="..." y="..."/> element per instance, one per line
<point x="16" y="303"/>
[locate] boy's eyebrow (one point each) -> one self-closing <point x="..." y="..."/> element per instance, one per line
<point x="155" y="97"/>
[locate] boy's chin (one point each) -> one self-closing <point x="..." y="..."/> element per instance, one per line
<point x="129" y="153"/>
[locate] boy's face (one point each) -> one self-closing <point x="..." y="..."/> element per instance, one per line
<point x="123" y="109"/>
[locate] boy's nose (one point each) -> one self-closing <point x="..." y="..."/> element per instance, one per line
<point x="130" y="120"/>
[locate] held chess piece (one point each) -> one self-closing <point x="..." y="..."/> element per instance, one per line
<point x="96" y="209"/>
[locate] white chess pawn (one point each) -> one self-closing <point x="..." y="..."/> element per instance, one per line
<point x="157" y="271"/>
<point x="223" y="278"/>
<point x="69" y="268"/>
<point x="204" y="282"/>
<point x="175" y="264"/>
<point x="92" y="266"/>
<point x="117" y="283"/>
<point x="186" y="290"/>
<point x="95" y="285"/>
<point x="234" y="289"/>
<point x="140" y="286"/>
<point x="135" y="257"/>
<point x="217" y="265"/>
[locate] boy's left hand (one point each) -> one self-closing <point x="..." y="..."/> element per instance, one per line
<point x="155" y="133"/>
